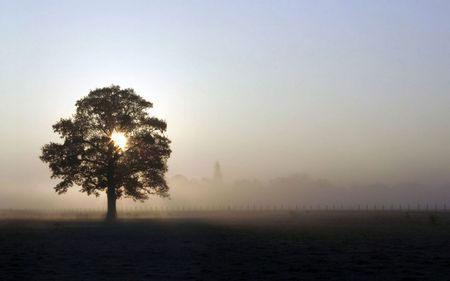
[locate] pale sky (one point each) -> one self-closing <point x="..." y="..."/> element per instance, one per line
<point x="350" y="91"/>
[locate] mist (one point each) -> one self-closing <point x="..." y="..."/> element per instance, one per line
<point x="217" y="191"/>
<point x="299" y="108"/>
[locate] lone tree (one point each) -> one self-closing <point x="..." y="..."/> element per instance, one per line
<point x="110" y="144"/>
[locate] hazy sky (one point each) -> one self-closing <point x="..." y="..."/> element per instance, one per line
<point x="352" y="91"/>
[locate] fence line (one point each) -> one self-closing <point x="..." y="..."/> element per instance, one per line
<point x="248" y="207"/>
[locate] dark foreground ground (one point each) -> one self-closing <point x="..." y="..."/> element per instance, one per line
<point x="282" y="246"/>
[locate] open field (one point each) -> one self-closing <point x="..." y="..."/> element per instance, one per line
<point x="230" y="246"/>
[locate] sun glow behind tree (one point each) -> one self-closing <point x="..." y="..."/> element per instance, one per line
<point x="119" y="139"/>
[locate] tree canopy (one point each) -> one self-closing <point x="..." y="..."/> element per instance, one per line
<point x="88" y="156"/>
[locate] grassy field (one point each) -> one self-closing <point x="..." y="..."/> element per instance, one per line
<point x="279" y="245"/>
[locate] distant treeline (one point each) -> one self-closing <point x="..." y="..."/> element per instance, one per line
<point x="303" y="191"/>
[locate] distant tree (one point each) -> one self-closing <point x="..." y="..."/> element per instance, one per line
<point x="110" y="144"/>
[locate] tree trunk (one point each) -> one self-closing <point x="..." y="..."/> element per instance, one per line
<point x="111" y="215"/>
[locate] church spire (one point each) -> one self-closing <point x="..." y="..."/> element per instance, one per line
<point x="217" y="172"/>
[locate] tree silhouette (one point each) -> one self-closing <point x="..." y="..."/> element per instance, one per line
<point x="94" y="155"/>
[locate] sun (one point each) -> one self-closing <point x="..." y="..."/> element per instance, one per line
<point x="119" y="139"/>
